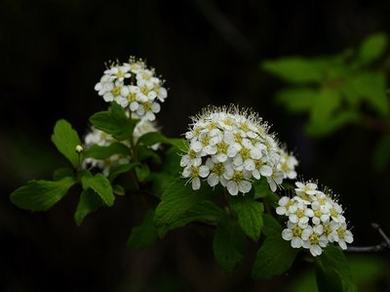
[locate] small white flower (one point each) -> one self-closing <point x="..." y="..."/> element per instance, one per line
<point x="342" y="236"/>
<point x="300" y="214"/>
<point x="314" y="240"/>
<point x="194" y="173"/>
<point x="304" y="189"/>
<point x="293" y="233"/>
<point x="287" y="165"/>
<point x="133" y="87"/>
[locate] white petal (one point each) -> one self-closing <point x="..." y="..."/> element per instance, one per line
<point x="287" y="234"/>
<point x="266" y="170"/>
<point x="296" y="242"/>
<point x="156" y="107"/>
<point x="196" y="183"/>
<point x="232" y="187"/>
<point x="245" y="186"/>
<point x="203" y="171"/>
<point x="213" y="179"/>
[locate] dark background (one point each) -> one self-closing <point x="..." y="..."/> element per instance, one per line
<point x="53" y="52"/>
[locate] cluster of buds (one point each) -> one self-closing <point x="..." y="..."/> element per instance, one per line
<point x="315" y="219"/>
<point x="133" y="86"/>
<point x="233" y="147"/>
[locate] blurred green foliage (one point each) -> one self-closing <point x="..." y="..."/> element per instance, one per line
<point x="333" y="91"/>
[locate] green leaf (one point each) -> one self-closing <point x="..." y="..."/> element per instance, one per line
<point x="297" y="70"/>
<point x="143" y="172"/>
<point x="152" y="138"/>
<point x="114" y="122"/>
<point x="271" y="226"/>
<point x="229" y="245"/>
<point x="262" y="189"/>
<point x="101" y="185"/>
<point x="274" y="257"/>
<point x="326" y="104"/>
<point x="372" y="48"/>
<point x="145" y="234"/>
<point x="297" y="100"/>
<point x="145" y="153"/>
<point x="250" y="215"/>
<point x="104" y="152"/>
<point x="62" y="172"/>
<point x="334" y="271"/>
<point x="41" y="195"/>
<point x="369" y="86"/>
<point x="118" y="170"/>
<point x="176" y="200"/>
<point x="204" y="212"/>
<point x="89" y="202"/>
<point x="66" y="139"/>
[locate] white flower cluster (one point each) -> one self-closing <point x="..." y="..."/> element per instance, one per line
<point x="98" y="137"/>
<point x="314" y="219"/>
<point x="233" y="147"/>
<point x="132" y="85"/>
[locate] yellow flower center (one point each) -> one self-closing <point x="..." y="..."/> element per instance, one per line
<point x="222" y="147"/>
<point x="194" y="171"/>
<point x="341" y="232"/>
<point x="147" y="106"/>
<point x="314" y="238"/>
<point x="219" y="169"/>
<point x="296" y="231"/>
<point x="245" y="153"/>
<point x="116" y="91"/>
<point x="238" y="176"/>
<point x="300" y="213"/>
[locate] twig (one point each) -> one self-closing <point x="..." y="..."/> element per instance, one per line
<point x="373" y="248"/>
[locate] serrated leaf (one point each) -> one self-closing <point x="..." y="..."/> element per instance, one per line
<point x="250" y="215"/>
<point x="297" y="70"/>
<point x="229" y="245"/>
<point x="274" y="257"/>
<point x="333" y="271"/>
<point x="104" y="152"/>
<point x="176" y="200"/>
<point x="101" y="185"/>
<point x="372" y="48"/>
<point x="65" y="138"/>
<point x="204" y="212"/>
<point x="89" y="202"/>
<point x="145" y="234"/>
<point x="41" y="195"/>
<point x="114" y="122"/>
<point x="271" y="226"/>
